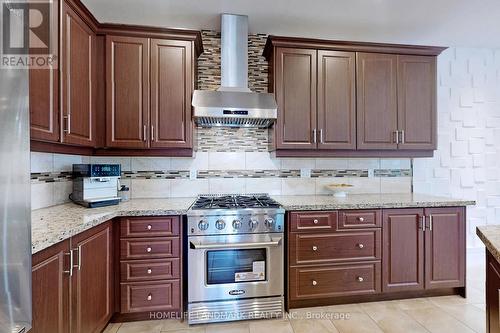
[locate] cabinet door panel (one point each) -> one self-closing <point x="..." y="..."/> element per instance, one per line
<point x="171" y="90"/>
<point x="50" y="290"/>
<point x="295" y="75"/>
<point x="44" y="95"/>
<point x="403" y="250"/>
<point x="445" y="248"/>
<point x="78" y="86"/>
<point x="417" y="102"/>
<point x="376" y="101"/>
<point x="336" y="100"/>
<point x="127" y="92"/>
<point x="92" y="281"/>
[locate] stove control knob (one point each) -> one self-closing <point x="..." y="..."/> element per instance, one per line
<point x="236" y="224"/>
<point x="220" y="224"/>
<point x="253" y="224"/>
<point x="269" y="222"/>
<point x="203" y="225"/>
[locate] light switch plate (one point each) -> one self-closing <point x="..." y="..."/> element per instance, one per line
<point x="371" y="173"/>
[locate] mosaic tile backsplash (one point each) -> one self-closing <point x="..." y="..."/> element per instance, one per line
<point x="223" y="172"/>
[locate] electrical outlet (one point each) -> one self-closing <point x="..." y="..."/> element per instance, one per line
<point x="193" y="174"/>
<point x="305" y="173"/>
<point x="371" y="173"/>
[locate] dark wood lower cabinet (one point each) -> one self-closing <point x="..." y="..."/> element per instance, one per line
<point x="92" y="284"/>
<point x="492" y="294"/>
<point x="368" y="255"/>
<point x="50" y="291"/>
<point x="403" y="250"/>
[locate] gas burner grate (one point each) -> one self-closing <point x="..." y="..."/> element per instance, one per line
<point x="235" y="201"/>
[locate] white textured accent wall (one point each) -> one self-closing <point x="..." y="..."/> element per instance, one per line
<point x="467" y="162"/>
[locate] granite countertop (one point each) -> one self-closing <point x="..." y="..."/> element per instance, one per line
<point x="490" y="235"/>
<point x="367" y="201"/>
<point x="51" y="225"/>
<point x="55" y="224"/>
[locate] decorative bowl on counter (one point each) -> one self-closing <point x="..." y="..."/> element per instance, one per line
<point x="339" y="190"/>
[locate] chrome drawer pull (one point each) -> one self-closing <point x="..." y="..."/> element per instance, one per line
<point x="314" y="282"/>
<point x="150" y="271"/>
<point x="148" y="249"/>
<point x="315" y="248"/>
<point x="149" y="227"/>
<point x="315" y="221"/>
<point x="150" y="297"/>
<point x="361" y="219"/>
<point x="360" y="279"/>
<point x="360" y="245"/>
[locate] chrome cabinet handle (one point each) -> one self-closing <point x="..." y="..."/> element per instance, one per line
<point x="70" y="271"/>
<point x="321" y="136"/>
<point x="148" y="249"/>
<point x="360" y="245"/>
<point x="79" y="265"/>
<point x="144" y="134"/>
<point x="422" y="223"/>
<point x="149" y="227"/>
<point x="314" y="283"/>
<point x="315" y="133"/>
<point x="150" y="271"/>
<point x="150" y="297"/>
<point x="396" y="135"/>
<point x="402" y="136"/>
<point x="315" y="248"/>
<point x="152" y="133"/>
<point x="430" y="222"/>
<point x="68" y="124"/>
<point x="361" y="219"/>
<point x="360" y="279"/>
<point x="315" y="221"/>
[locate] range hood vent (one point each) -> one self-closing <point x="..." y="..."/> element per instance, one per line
<point x="233" y="104"/>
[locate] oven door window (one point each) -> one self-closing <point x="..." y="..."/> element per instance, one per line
<point x="236" y="266"/>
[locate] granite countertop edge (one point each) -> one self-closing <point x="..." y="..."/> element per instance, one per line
<point x="80" y="224"/>
<point x="482" y="233"/>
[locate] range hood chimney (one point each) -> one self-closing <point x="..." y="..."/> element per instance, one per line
<point x="233" y="104"/>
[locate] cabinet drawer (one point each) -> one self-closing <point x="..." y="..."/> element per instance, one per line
<point x="149" y="226"/>
<point x="351" y="219"/>
<point x="147" y="248"/>
<point x="313" y="221"/>
<point x="334" y="247"/>
<point x="147" y="296"/>
<point x="339" y="280"/>
<point x="147" y="270"/>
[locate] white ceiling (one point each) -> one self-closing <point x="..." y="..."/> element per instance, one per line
<point x="474" y="23"/>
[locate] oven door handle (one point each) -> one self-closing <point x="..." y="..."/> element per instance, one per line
<point x="199" y="246"/>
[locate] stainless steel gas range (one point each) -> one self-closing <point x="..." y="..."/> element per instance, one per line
<point x="235" y="258"/>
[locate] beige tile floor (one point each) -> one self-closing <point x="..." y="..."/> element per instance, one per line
<point x="452" y="314"/>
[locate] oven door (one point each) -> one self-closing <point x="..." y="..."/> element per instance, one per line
<point x="234" y="267"/>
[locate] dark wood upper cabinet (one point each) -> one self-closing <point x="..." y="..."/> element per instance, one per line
<point x="417" y="120"/>
<point x="127" y="91"/>
<point x="50" y="289"/>
<point x="92" y="287"/>
<point x="403" y="250"/>
<point x="78" y="80"/>
<point x="44" y="96"/>
<point x="372" y="99"/>
<point x="171" y="91"/>
<point x="445" y="247"/>
<point x="377" y="101"/>
<point x="337" y="100"/>
<point x="295" y="91"/>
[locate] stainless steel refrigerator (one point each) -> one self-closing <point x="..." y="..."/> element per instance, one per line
<point x="15" y="210"/>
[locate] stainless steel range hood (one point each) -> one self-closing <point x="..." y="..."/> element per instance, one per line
<point x="233" y="104"/>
